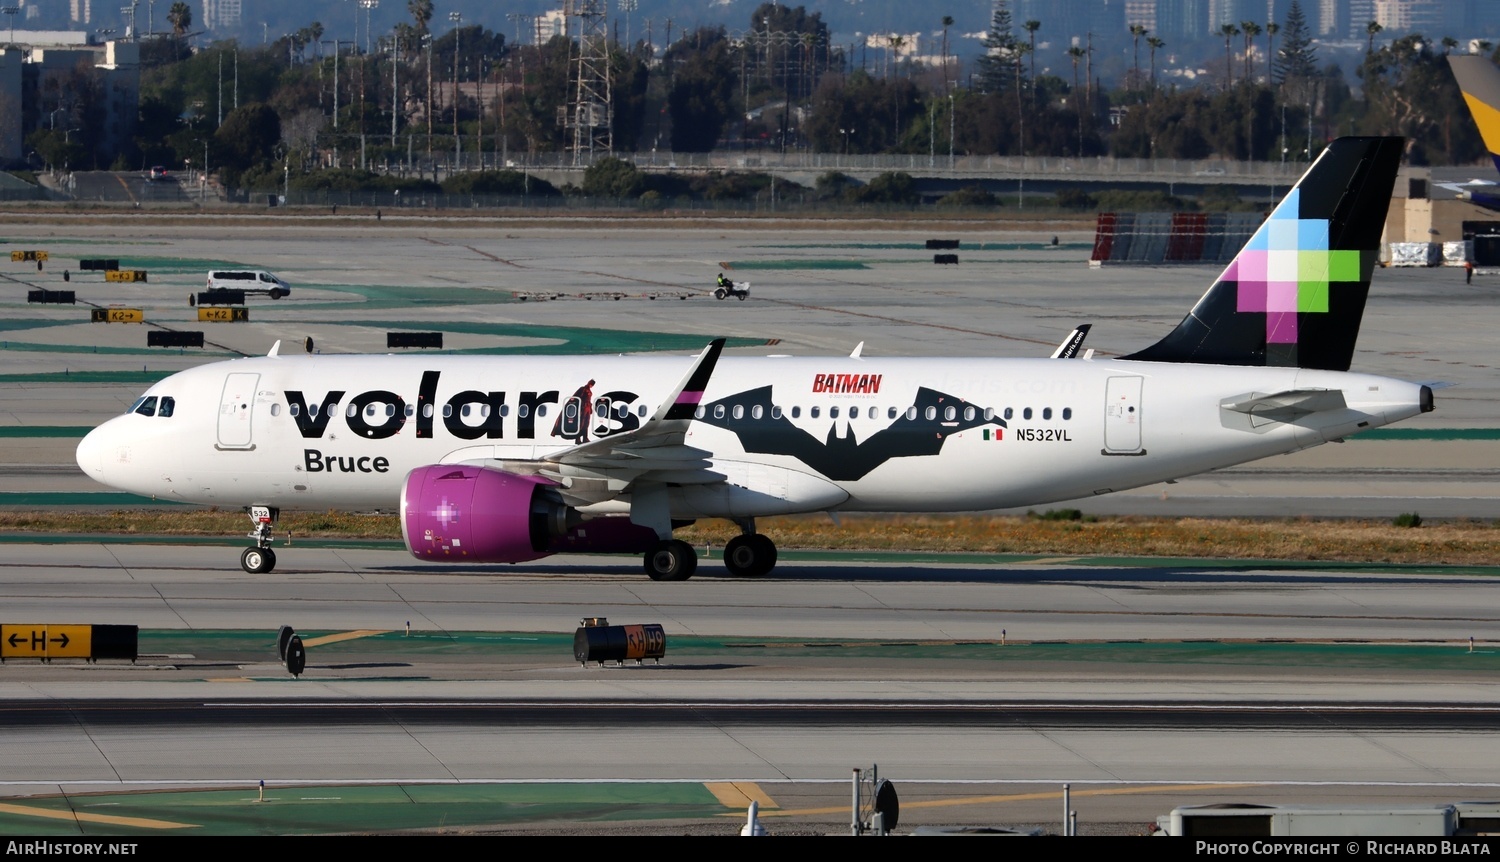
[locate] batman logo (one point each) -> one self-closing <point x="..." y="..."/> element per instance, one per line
<point x="845" y="458"/>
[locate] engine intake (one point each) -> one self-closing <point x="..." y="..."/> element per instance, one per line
<point x="459" y="513"/>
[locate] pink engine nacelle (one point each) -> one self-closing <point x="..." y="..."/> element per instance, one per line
<point x="462" y="514"/>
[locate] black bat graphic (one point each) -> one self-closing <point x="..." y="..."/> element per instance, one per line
<point x="845" y="458"/>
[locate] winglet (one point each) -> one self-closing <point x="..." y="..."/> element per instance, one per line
<point x="683" y="402"/>
<point x="275" y="348"/>
<point x="858" y="349"/>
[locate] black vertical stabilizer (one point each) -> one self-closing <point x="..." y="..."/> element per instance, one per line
<point x="1295" y="293"/>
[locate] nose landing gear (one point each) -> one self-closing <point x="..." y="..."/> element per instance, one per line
<point x="260" y="559"/>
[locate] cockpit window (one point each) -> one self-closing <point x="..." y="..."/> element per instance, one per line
<point x="146" y="406"/>
<point x="138" y="402"/>
<point x="167" y="405"/>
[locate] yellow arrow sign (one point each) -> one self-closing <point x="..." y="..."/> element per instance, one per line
<point x="117" y="315"/>
<point x="231" y="314"/>
<point x="46" y="641"/>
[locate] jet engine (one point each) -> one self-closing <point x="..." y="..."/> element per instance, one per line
<point x="456" y="513"/>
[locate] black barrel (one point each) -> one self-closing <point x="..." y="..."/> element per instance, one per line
<point x="619" y="643"/>
<point x="57" y="296"/>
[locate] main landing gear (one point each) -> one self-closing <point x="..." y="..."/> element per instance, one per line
<point x="260" y="559"/>
<point x="749" y="555"/>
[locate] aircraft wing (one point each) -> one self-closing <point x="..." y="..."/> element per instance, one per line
<point x="603" y="469"/>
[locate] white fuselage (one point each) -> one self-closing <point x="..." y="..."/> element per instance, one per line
<point x="242" y="432"/>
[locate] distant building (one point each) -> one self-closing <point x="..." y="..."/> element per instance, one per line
<point x="223" y="15"/>
<point x="63" y="80"/>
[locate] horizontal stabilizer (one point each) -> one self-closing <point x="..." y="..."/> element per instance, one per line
<point x="1288" y="405"/>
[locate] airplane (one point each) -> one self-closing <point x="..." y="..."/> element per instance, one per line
<point x="1479" y="81"/>
<point x="492" y="460"/>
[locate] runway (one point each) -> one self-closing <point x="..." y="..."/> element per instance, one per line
<point x="1166" y="686"/>
<point x="979" y="685"/>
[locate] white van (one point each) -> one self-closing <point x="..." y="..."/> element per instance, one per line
<point x="250" y="281"/>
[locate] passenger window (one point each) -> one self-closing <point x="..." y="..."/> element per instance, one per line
<point x="622" y="410"/>
<point x="989" y="413"/>
<point x="814" y="411"/>
<point x="484" y="411"/>
<point x="757" y="411"/>
<point x="891" y="413"/>
<point x="1009" y="413"/>
<point x="465" y="411"/>
<point x="292" y="409"/>
<point x="571" y="411"/>
<point x="699" y="412"/>
<point x="642" y="411"/>
<point x="147" y="406"/>
<point x="312" y="410"/>
<point x="447" y="411"/>
<point x="950" y="413"/>
<point x="521" y="411"/>
<point x="1067" y="412"/>
<point x="775" y="411"/>
<point x="796" y="412"/>
<point x="911" y="412"/>
<point x="275" y="408"/>
<point x="1026" y="414"/>
<point x="1046" y="412"/>
<point x="718" y="411"/>
<point x="427" y="411"/>
<point x="352" y="411"/>
<point x="369" y="410"/>
<point x="541" y="410"/>
<point x="854" y="412"/>
<point x="833" y="412"/>
<point x="968" y="414"/>
<point x="601" y="407"/>
<point x="739" y="411"/>
<point x="931" y="413"/>
<point x="169" y="404"/>
<point x="504" y="409"/>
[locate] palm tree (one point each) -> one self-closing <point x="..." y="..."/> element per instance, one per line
<point x="180" y="17"/>
<point x="1228" y="31"/>
<point x="1449" y="43"/>
<point x="947" y="22"/>
<point x="896" y="43"/>
<point x="1251" y="30"/>
<point x="1136" y="32"/>
<point x="1371" y="29"/>
<point x="1271" y="30"/>
<point x="1031" y="27"/>
<point x="421" y="13"/>
<point x="1153" y="43"/>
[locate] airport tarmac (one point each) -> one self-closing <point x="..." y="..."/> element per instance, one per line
<point x="1123" y="657"/>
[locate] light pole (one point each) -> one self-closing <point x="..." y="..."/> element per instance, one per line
<point x="950" y="126"/>
<point x="368" y="6"/>
<point x="11" y="11"/>
<point x="846" y="133"/>
<point x="130" y="11"/>
<point x="457" y="18"/>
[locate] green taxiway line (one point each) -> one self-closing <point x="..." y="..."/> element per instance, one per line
<point x="220" y="645"/>
<point x="299" y="809"/>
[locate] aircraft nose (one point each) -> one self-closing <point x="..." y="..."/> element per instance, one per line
<point x="90" y="453"/>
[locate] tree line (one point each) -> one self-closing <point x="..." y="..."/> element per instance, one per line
<point x="301" y="105"/>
